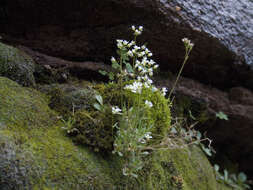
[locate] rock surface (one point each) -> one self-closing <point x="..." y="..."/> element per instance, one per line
<point x="16" y="65"/>
<point x="85" y="31"/>
<point x="233" y="137"/>
<point x="38" y="155"/>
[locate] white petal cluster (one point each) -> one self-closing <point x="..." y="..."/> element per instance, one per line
<point x="149" y="104"/>
<point x="121" y="44"/>
<point x="136" y="87"/>
<point x="137" y="31"/>
<point x="113" y="60"/>
<point x="116" y="110"/>
<point x="145" y="138"/>
<point x="187" y="42"/>
<point x="164" y="91"/>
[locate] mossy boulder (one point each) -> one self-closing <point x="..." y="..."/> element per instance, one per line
<point x="36" y="154"/>
<point x="16" y="65"/>
<point x="66" y="98"/>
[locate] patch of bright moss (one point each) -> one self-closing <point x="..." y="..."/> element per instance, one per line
<point x="22" y="106"/>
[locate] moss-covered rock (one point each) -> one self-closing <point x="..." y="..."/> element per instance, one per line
<point x="16" y="65"/>
<point x="36" y="154"/>
<point x="66" y="98"/>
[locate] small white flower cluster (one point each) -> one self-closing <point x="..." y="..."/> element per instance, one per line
<point x="149" y="104"/>
<point x="136" y="87"/>
<point x="187" y="42"/>
<point x="164" y="91"/>
<point x="116" y="110"/>
<point x="137" y="31"/>
<point x="145" y="138"/>
<point x="138" y="51"/>
<point x="125" y="44"/>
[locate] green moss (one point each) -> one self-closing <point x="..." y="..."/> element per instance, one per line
<point x="22" y="106"/>
<point x="95" y="129"/>
<point x="16" y="65"/>
<point x="39" y="156"/>
<point x="195" y="169"/>
<point x="66" y="98"/>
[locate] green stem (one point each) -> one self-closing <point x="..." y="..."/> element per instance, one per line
<point x="180" y="71"/>
<point x="120" y="82"/>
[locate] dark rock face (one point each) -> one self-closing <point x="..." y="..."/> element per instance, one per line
<point x="86" y="30"/>
<point x="229" y="22"/>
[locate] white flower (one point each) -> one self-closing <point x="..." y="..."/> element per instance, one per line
<point x="136" y="47"/>
<point x="133" y="28"/>
<point x="146" y="85"/>
<point x="148" y="135"/>
<point x="141" y="54"/>
<point x="140" y="28"/>
<point x="136" y="87"/>
<point x="137" y="63"/>
<point x="164" y="91"/>
<point x="125" y="42"/>
<point x="149" y="104"/>
<point x="152" y="62"/>
<point x="130" y="44"/>
<point x="150" y="54"/>
<point x="113" y="60"/>
<point x="142" y="140"/>
<point x="116" y="110"/>
<point x="145" y="153"/>
<point x="156" y="66"/>
<point x="187" y="42"/>
<point x="130" y="53"/>
<point x="137" y="33"/>
<point x="149" y="81"/>
<point x="154" y="89"/>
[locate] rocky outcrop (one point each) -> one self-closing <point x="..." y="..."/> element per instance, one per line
<point x="86" y="31"/>
<point x="16" y="65"/>
<point x="37" y="154"/>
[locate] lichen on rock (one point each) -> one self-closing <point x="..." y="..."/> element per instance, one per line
<point x="16" y="65"/>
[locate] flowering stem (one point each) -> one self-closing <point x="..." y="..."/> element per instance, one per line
<point x="121" y="85"/>
<point x="181" y="69"/>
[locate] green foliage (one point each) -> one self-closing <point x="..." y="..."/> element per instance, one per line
<point x="183" y="136"/>
<point x="238" y="182"/>
<point x="221" y="115"/>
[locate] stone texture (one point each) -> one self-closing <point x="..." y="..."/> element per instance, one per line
<point x="85" y="31"/>
<point x="16" y="65"/>
<point x="233" y="137"/>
